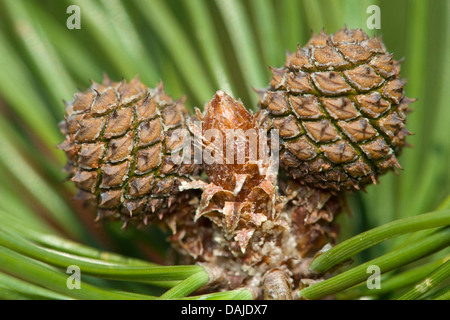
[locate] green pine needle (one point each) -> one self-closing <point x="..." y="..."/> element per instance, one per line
<point x="352" y="246"/>
<point x="385" y="263"/>
<point x="431" y="281"/>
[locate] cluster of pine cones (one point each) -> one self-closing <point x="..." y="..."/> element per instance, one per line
<point x="339" y="110"/>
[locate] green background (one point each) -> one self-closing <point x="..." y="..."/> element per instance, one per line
<point x="197" y="47"/>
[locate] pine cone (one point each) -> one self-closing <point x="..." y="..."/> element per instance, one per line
<point x="340" y="110"/>
<point x="120" y="142"/>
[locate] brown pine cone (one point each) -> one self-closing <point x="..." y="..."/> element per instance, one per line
<point x="340" y="109"/>
<point x="120" y="139"/>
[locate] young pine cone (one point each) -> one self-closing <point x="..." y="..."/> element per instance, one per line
<point x="120" y="139"/>
<point x="340" y="109"/>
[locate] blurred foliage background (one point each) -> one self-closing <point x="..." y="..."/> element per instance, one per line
<point x="196" y="47"/>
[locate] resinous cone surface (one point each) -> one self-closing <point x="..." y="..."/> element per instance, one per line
<point x="120" y="139"/>
<point x="340" y="109"/>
